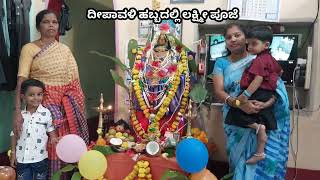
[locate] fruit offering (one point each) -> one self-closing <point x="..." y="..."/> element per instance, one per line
<point x="118" y="132"/>
<point x="198" y="134"/>
<point x="141" y="170"/>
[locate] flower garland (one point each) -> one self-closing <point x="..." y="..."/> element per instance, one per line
<point x="137" y="85"/>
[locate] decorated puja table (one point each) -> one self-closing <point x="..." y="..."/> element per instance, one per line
<point x="121" y="164"/>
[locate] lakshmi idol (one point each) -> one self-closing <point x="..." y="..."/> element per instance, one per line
<point x="160" y="88"/>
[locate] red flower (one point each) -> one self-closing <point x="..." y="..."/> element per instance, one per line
<point x="155" y="64"/>
<point x="179" y="48"/>
<point x="130" y="153"/>
<point x="172" y="68"/>
<point x="139" y="66"/>
<point x="152" y="97"/>
<point x="164" y="27"/>
<point x="162" y="74"/>
<point x="149" y="74"/>
<point x="148" y="46"/>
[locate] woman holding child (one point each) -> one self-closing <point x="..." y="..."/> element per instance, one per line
<point x="53" y="63"/>
<point x="241" y="141"/>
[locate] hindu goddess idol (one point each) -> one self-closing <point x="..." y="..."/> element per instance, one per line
<point x="160" y="88"/>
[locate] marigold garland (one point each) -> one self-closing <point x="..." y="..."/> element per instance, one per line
<point x="182" y="69"/>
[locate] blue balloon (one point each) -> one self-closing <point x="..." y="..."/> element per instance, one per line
<point x="192" y="155"/>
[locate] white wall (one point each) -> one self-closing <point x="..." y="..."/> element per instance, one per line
<point x="291" y="11"/>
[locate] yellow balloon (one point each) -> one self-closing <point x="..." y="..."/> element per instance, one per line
<point x="92" y="164"/>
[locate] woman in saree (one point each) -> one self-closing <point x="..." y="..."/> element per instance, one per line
<point x="53" y="63"/>
<point x="241" y="142"/>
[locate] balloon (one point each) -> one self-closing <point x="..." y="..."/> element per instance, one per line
<point x="7" y="173"/>
<point x="92" y="164"/>
<point x="192" y="155"/>
<point x="70" y="148"/>
<point x="203" y="175"/>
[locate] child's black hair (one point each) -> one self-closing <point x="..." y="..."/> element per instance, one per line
<point x="122" y="123"/>
<point x="262" y="33"/>
<point x="29" y="83"/>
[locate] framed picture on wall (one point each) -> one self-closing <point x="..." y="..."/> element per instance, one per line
<point x="175" y="29"/>
<point x="186" y="1"/>
<point x="144" y="31"/>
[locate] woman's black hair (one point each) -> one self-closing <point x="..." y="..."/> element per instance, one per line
<point x="41" y="14"/>
<point x="242" y="29"/>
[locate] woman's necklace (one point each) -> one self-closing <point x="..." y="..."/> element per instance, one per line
<point x="42" y="44"/>
<point x="235" y="59"/>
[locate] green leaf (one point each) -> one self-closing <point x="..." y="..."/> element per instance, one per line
<point x="105" y="150"/>
<point x="56" y="175"/>
<point x="118" y="79"/>
<point x="114" y="59"/>
<point x="170" y="152"/>
<point x="76" y="176"/>
<point x="178" y="42"/>
<point x="228" y="176"/>
<point x="133" y="44"/>
<point x="68" y="168"/>
<point x="193" y="66"/>
<point x="170" y="174"/>
<point x="198" y="93"/>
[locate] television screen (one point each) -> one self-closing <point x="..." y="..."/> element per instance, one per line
<point x="284" y="47"/>
<point x="217" y="46"/>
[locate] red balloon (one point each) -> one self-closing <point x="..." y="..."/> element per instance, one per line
<point x="7" y="173"/>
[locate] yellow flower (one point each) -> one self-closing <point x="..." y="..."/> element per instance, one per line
<point x="138" y="57"/>
<point x="166" y="102"/>
<point x="162" y="110"/>
<point x="136" y="88"/>
<point x="135" y="76"/>
<point x="136" y="167"/>
<point x="146" y="111"/>
<point x="143" y="107"/>
<point x="134" y="51"/>
<point x="140" y="99"/>
<point x="142" y="171"/>
<point x="135" y="72"/>
<point x="149" y="176"/>
<point x="146" y="164"/>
